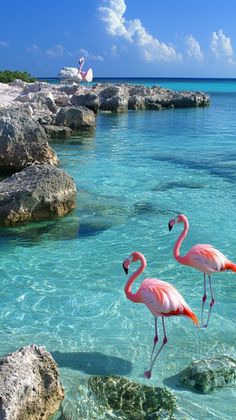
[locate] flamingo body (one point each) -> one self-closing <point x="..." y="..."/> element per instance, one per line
<point x="207" y="259"/>
<point x="203" y="257"/>
<point x="161" y="298"/>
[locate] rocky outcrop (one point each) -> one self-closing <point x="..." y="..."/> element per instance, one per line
<point x="209" y="374"/>
<point x="22" y="140"/>
<point x="77" y="118"/>
<point x="36" y="193"/>
<point x="30" y="386"/>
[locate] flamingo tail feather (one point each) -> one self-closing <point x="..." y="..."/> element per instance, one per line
<point x="187" y="312"/>
<point x="230" y="266"/>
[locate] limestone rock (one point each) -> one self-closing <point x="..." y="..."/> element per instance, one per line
<point x="90" y="100"/>
<point x="55" y="132"/>
<point x="30" y="386"/>
<point x="38" y="192"/>
<point x="209" y="374"/>
<point x="77" y="118"/>
<point x="22" y="140"/>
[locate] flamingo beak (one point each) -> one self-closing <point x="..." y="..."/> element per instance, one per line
<point x="170" y="226"/>
<point x="126" y="270"/>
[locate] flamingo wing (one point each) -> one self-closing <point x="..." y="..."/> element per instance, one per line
<point x="206" y="258"/>
<point x="161" y="298"/>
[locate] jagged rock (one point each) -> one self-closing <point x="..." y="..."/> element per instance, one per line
<point x="136" y="102"/>
<point x="128" y="400"/>
<point x="22" y="140"/>
<point x="90" y="100"/>
<point x="30" y="386"/>
<point x="55" y="132"/>
<point x="36" y="193"/>
<point x="209" y="374"/>
<point x="45" y="99"/>
<point x="76" y="118"/>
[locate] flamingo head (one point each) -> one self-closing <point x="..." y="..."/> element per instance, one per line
<point x="135" y="256"/>
<point x="127" y="263"/>
<point x="181" y="218"/>
<point x="81" y="60"/>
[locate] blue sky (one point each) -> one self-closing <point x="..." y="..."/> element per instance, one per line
<point x="118" y="38"/>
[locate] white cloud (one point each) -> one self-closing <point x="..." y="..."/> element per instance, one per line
<point x="55" y="51"/>
<point x="4" y="44"/>
<point x="133" y="31"/>
<point x="221" y="45"/>
<point x="33" y="49"/>
<point x="193" y="48"/>
<point x="113" y="18"/>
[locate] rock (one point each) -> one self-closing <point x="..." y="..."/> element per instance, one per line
<point x="62" y="100"/>
<point x="38" y="192"/>
<point x="22" y="140"/>
<point x="30" y="386"/>
<point x="209" y="374"/>
<point x="128" y="400"/>
<point x="90" y="100"/>
<point x="45" y="99"/>
<point x="136" y="102"/>
<point x="76" y="118"/>
<point x="55" y="132"/>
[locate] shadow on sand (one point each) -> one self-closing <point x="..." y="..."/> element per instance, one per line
<point x="93" y="363"/>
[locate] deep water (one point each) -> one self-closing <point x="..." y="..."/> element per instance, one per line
<point x="62" y="281"/>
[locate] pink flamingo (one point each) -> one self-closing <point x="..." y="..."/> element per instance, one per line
<point x="87" y="76"/>
<point x="203" y="257"/>
<point x="161" y="298"/>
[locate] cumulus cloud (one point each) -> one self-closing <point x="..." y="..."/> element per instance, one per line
<point x="134" y="32"/>
<point x="55" y="51"/>
<point x="193" y="48"/>
<point x="221" y="45"/>
<point x="112" y="15"/>
<point x="4" y="44"/>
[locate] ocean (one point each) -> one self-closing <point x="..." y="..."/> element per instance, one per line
<point x="62" y="281"/>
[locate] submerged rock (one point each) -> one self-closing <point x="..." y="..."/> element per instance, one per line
<point x="209" y="374"/>
<point x="30" y="387"/>
<point x="128" y="400"/>
<point x="36" y="193"/>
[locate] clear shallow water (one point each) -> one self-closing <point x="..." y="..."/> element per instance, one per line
<point x="62" y="281"/>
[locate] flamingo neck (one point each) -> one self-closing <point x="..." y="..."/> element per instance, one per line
<point x="81" y="65"/>
<point x="134" y="296"/>
<point x="179" y="242"/>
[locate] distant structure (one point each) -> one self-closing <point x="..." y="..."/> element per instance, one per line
<point x="73" y="74"/>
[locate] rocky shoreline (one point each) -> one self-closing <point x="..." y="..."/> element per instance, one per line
<point x="33" y="113"/>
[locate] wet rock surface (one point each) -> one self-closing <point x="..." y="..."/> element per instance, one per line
<point x="208" y="375"/>
<point x="36" y="193"/>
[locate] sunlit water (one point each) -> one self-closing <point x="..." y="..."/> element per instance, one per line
<point x="62" y="281"/>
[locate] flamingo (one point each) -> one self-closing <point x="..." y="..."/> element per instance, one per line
<point x="203" y="257"/>
<point x="87" y="76"/>
<point x="161" y="298"/>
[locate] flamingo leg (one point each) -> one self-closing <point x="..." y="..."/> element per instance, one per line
<point x="211" y="302"/>
<point x="155" y="340"/>
<point x="204" y="297"/>
<point x="148" y="373"/>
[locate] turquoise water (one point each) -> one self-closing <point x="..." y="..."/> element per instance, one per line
<point x="62" y="281"/>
